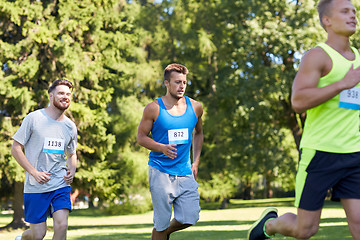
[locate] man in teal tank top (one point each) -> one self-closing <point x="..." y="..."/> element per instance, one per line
<point x="327" y="88"/>
<point x="175" y="124"/>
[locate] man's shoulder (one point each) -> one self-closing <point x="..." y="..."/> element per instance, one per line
<point x="316" y="52"/>
<point x="153" y="105"/>
<point x="35" y="113"/>
<point x="197" y="107"/>
<point x="70" y="122"/>
<point x="152" y="110"/>
<point x="315" y="58"/>
<point x="195" y="103"/>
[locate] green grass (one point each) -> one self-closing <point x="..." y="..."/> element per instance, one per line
<point x="231" y="223"/>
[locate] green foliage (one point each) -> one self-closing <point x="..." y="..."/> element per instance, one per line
<point x="133" y="203"/>
<point x="242" y="57"/>
<point x="96" y="45"/>
<point x="221" y="186"/>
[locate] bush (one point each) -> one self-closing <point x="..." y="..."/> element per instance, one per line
<point x="132" y="204"/>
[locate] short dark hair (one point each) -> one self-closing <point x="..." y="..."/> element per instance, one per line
<point x="323" y="8"/>
<point x="61" y="81"/>
<point x="174" y="67"/>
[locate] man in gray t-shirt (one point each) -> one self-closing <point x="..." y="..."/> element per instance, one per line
<point x="49" y="139"/>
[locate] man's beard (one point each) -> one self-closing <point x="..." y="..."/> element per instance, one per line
<point x="175" y="96"/>
<point x="60" y="107"/>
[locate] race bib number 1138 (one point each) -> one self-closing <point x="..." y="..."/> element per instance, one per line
<point x="54" y="145"/>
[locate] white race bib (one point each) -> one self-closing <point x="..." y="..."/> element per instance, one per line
<point x="350" y="98"/>
<point x="178" y="136"/>
<point x="54" y="145"/>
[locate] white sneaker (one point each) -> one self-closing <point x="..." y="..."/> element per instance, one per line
<point x="18" y="238"/>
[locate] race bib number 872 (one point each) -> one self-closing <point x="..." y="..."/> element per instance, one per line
<point x="178" y="136"/>
<point x="54" y="145"/>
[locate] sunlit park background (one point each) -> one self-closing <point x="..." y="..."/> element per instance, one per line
<point x="242" y="57"/>
<point x="230" y="223"/>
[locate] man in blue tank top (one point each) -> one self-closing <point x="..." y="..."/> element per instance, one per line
<point x="175" y="124"/>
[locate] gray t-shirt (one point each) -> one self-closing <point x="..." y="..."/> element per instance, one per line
<point x="46" y="143"/>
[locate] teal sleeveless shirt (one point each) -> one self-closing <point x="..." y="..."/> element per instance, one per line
<point x="328" y="127"/>
<point x="170" y="129"/>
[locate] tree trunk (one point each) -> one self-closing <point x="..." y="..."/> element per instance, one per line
<point x="248" y="193"/>
<point x="269" y="191"/>
<point x="224" y="203"/>
<point x="18" y="207"/>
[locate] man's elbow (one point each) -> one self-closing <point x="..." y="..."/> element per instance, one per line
<point x="12" y="150"/>
<point x="139" y="139"/>
<point x="298" y="106"/>
<point x="298" y="109"/>
<point x="15" y="147"/>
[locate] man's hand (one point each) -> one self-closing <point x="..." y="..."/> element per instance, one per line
<point x="169" y="150"/>
<point x="69" y="177"/>
<point x="352" y="78"/>
<point x="194" y="168"/>
<point x="42" y="177"/>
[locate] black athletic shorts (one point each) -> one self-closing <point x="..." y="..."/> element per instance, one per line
<point x="320" y="171"/>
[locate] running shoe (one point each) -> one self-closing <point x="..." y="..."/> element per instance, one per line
<point x="256" y="231"/>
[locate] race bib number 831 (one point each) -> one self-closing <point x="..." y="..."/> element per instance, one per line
<point x="178" y="136"/>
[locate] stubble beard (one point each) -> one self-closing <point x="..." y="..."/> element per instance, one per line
<point x="176" y="96"/>
<point x="60" y="107"/>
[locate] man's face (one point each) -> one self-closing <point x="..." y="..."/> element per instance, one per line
<point x="342" y="17"/>
<point x="60" y="97"/>
<point x="177" y="85"/>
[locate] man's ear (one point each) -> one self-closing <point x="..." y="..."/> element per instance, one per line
<point x="326" y="21"/>
<point x="166" y="83"/>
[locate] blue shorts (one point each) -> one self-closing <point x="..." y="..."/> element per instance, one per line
<point x="322" y="171"/>
<point x="38" y="206"/>
<point x="180" y="192"/>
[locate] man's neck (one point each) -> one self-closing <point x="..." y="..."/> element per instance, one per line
<point x="172" y="101"/>
<point x="338" y="42"/>
<point x="55" y="113"/>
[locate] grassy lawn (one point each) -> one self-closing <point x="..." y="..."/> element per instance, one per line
<point x="231" y="223"/>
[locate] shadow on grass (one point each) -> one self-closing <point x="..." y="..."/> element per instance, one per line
<point x="271" y="202"/>
<point x="193" y="235"/>
<point x="328" y="233"/>
<point x="111" y="226"/>
<point x="7" y="215"/>
<point x="142" y="226"/>
<point x="237" y="203"/>
<point x="116" y="236"/>
<point x="89" y="212"/>
<point x="332" y="204"/>
<point x="275" y="203"/>
<point x="334" y="220"/>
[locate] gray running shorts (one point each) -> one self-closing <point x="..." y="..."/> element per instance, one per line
<point x="181" y="192"/>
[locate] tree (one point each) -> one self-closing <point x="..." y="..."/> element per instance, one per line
<point x="96" y="45"/>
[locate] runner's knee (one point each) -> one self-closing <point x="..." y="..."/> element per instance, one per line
<point x="61" y="226"/>
<point x="39" y="235"/>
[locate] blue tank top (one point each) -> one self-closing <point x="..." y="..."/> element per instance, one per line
<point x="169" y="129"/>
